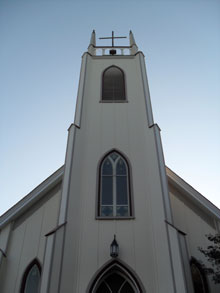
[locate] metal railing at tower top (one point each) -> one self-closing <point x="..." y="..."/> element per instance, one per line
<point x="108" y="50"/>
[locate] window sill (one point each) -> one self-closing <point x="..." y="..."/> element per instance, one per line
<point x="113" y="101"/>
<point x="115" y="218"/>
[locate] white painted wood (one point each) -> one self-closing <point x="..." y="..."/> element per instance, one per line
<point x="176" y="260"/>
<point x="186" y="262"/>
<point x="146" y="89"/>
<point x="34" y="196"/>
<point x="51" y="212"/>
<point x="45" y="282"/>
<point x="189" y="192"/>
<point x="30" y="244"/>
<point x="123" y="126"/>
<point x="27" y="240"/>
<point x="92" y="44"/>
<point x="56" y="261"/>
<point x="163" y="175"/>
<point x="66" y="178"/>
<point x="10" y="268"/>
<point x="79" y="103"/>
<point x="4" y="239"/>
<point x="196" y="221"/>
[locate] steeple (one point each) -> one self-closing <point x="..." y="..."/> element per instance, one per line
<point x="106" y="178"/>
<point x="92" y="43"/>
<point x="134" y="47"/>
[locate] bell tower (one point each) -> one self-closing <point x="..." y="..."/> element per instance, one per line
<point x="114" y="184"/>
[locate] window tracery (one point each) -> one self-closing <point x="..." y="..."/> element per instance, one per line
<point x="114" y="187"/>
<point x="115" y="282"/>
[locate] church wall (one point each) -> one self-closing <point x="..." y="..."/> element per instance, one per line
<point x="27" y="240"/>
<point x="122" y="126"/>
<point x="196" y="223"/>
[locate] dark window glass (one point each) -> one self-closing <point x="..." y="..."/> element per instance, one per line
<point x="107" y="167"/>
<point x="127" y="288"/>
<point x="122" y="194"/>
<point x="198" y="280"/>
<point x="107" y="190"/>
<point x="32" y="281"/>
<point x="113" y="84"/>
<point x="103" y="289"/>
<point x="115" y="283"/>
<point x="121" y="168"/>
<point x="114" y="187"/>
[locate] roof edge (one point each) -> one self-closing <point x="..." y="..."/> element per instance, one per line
<point x="192" y="193"/>
<point x="32" y="197"/>
<point x="37" y="193"/>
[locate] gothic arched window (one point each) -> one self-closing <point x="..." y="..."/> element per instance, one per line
<point x="115" y="277"/>
<point x="113" y="84"/>
<point x="198" y="277"/>
<point x="114" y="187"/>
<point x="31" y="278"/>
<point x="115" y="282"/>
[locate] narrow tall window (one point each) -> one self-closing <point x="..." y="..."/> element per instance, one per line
<point x="31" y="278"/>
<point x="113" y="84"/>
<point x="114" y="197"/>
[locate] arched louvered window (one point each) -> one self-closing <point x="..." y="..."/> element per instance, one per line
<point x="31" y="278"/>
<point x="198" y="276"/>
<point x="114" y="187"/>
<point x="113" y="85"/>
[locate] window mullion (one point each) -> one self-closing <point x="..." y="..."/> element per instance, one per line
<point x="128" y="193"/>
<point x="114" y="190"/>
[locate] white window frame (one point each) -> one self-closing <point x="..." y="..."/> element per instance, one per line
<point x="114" y="186"/>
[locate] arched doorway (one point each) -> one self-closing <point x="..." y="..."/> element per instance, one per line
<point x="115" y="277"/>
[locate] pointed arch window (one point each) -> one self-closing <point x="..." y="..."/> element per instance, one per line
<point x="198" y="277"/>
<point x="113" y="84"/>
<point x="114" y="187"/>
<point x="115" y="282"/>
<point x="115" y="277"/>
<point x="31" y="278"/>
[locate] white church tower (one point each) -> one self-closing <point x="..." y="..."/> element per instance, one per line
<point x="114" y="218"/>
<point x="114" y="186"/>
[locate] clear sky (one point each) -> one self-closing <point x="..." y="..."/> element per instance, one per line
<point x="41" y="43"/>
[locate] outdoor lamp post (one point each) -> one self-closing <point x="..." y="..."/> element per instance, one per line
<point x="114" y="248"/>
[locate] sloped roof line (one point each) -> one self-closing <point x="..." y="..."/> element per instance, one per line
<point x="57" y="176"/>
<point x="192" y="193"/>
<point x="32" y="197"/>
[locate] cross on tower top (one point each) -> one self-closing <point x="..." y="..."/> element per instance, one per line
<point x="112" y="37"/>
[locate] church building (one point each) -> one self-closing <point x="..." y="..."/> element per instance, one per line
<point x="114" y="218"/>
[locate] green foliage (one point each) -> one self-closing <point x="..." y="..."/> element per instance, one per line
<point x="212" y="253"/>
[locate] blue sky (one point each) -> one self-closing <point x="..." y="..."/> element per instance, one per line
<point x="40" y="56"/>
